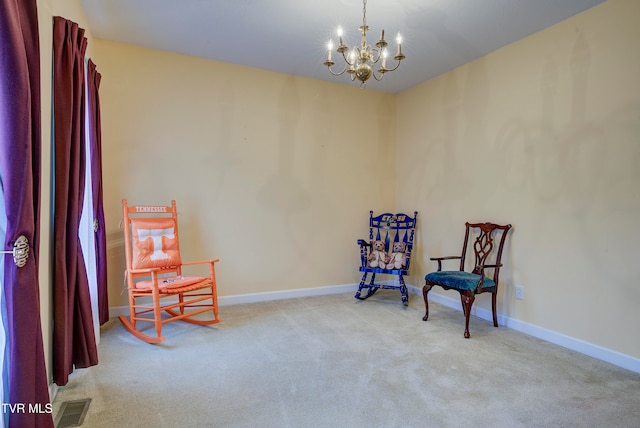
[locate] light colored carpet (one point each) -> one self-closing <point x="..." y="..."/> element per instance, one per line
<point x="334" y="361"/>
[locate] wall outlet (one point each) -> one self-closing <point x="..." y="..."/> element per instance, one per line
<point x="519" y="292"/>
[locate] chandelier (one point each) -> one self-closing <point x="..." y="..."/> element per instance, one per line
<point x="361" y="61"/>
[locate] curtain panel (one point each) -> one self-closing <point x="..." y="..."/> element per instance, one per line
<point x="95" y="145"/>
<point x="74" y="343"/>
<point x="20" y="159"/>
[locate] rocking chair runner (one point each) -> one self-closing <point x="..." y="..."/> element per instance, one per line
<point x="469" y="284"/>
<point x="388" y="251"/>
<point x="155" y="280"/>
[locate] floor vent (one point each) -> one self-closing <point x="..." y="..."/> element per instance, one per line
<point x="72" y="413"/>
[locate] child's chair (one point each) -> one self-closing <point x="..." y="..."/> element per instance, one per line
<point x="155" y="280"/>
<point x="388" y="251"/>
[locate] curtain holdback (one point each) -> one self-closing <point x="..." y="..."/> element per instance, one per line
<point x="20" y="251"/>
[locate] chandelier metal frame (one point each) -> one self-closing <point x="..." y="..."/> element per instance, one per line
<point x="360" y="62"/>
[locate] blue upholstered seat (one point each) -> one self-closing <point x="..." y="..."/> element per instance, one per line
<point x="459" y="280"/>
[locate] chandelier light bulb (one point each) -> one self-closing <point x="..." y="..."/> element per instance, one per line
<point x="399" y="56"/>
<point x="360" y="62"/>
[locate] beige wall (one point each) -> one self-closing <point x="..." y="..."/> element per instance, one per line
<point x="273" y="174"/>
<point x="542" y="134"/>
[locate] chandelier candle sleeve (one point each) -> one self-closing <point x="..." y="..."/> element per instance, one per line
<point x="361" y="61"/>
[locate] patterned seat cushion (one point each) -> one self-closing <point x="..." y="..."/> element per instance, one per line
<point x="458" y="280"/>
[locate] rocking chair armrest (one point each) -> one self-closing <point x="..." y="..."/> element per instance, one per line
<point x="146" y="270"/>
<point x="200" y="262"/>
<point x="363" y="243"/>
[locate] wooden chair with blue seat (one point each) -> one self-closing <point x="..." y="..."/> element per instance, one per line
<point x="159" y="291"/>
<point x="388" y="251"/>
<point x="483" y="278"/>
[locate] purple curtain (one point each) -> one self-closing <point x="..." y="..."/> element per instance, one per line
<point x="95" y="138"/>
<point x="20" y="145"/>
<point x="74" y="341"/>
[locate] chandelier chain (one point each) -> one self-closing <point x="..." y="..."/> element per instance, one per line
<point x="364" y="13"/>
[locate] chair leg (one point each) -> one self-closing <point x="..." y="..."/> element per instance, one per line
<point x="462" y="300"/>
<point x="137" y="333"/>
<point x="493" y="308"/>
<point x="467" y="303"/>
<point x="371" y="286"/>
<point x="214" y="293"/>
<point x="185" y="302"/>
<point x="364" y="278"/>
<point x="403" y="291"/>
<point x="130" y="324"/>
<point x="132" y="310"/>
<point x="425" y="290"/>
<point x="157" y="313"/>
<point x="181" y="300"/>
<point x="214" y="300"/>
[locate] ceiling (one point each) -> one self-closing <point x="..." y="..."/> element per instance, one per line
<point x="290" y="36"/>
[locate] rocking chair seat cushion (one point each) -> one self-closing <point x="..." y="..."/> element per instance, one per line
<point x="458" y="280"/>
<point x="166" y="284"/>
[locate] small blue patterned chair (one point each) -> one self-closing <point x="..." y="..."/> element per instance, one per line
<point x="388" y="251"/>
<point x="484" y="276"/>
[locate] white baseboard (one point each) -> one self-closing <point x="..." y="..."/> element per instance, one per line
<point x="613" y="357"/>
<point x="239" y="299"/>
<point x="53" y="391"/>
<point x="286" y="294"/>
